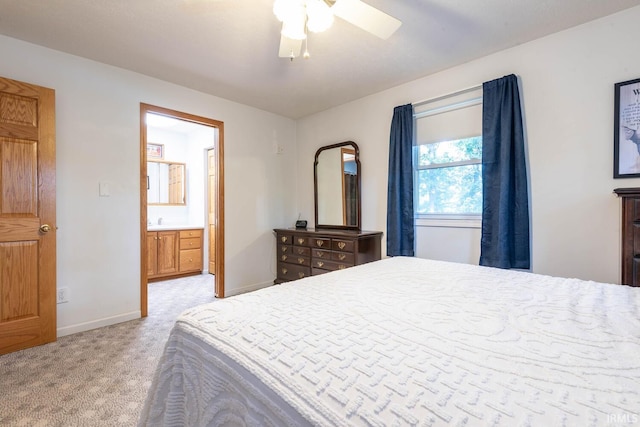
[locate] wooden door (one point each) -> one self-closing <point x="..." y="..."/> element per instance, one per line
<point x="167" y="252"/>
<point x="176" y="184"/>
<point x="211" y="195"/>
<point x="27" y="216"/>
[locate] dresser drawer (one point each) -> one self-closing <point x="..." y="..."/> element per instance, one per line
<point x="330" y="265"/>
<point x="296" y="259"/>
<point x="285" y="249"/>
<point x="302" y="250"/>
<point x="186" y="234"/>
<point x="323" y="243"/>
<point x="190" y="243"/>
<point x="292" y="271"/>
<point x="301" y="240"/>
<point x="286" y="258"/>
<point x="321" y="254"/>
<point x="285" y="239"/>
<point x="635" y="232"/>
<point x="343" y="257"/>
<point x="342" y="245"/>
<point x="636" y="209"/>
<point x="190" y="259"/>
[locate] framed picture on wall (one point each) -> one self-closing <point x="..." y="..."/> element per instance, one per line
<point x="155" y="151"/>
<point x="626" y="130"/>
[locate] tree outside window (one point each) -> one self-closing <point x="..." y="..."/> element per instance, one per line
<point x="449" y="177"/>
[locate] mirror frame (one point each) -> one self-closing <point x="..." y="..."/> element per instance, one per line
<point x="354" y="146"/>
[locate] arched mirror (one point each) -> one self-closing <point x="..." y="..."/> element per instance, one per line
<point x="336" y="178"/>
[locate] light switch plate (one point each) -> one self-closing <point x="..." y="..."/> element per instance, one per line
<point x="104" y="189"/>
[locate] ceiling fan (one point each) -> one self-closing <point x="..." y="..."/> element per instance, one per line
<point x="298" y="16"/>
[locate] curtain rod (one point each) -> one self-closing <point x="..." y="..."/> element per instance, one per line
<point x="447" y="108"/>
<point x="448" y="95"/>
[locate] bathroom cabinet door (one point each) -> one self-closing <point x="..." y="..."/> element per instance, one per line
<point x="162" y="253"/>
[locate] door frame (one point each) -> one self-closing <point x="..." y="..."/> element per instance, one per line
<point x="219" y="195"/>
<point x="210" y="214"/>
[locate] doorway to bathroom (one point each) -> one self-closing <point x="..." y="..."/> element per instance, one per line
<point x="181" y="197"/>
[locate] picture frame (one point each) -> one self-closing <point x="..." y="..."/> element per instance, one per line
<point x="626" y="129"/>
<point x="155" y="151"/>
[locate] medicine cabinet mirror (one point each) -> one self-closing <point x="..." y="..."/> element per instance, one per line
<point x="166" y="183"/>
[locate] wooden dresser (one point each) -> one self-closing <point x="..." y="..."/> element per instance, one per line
<point x="630" y="235"/>
<point x="303" y="253"/>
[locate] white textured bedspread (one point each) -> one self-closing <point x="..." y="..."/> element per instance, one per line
<point x="406" y="341"/>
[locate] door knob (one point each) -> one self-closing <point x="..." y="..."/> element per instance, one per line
<point x="45" y="228"/>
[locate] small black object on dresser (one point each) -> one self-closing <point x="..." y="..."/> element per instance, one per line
<point x="303" y="253"/>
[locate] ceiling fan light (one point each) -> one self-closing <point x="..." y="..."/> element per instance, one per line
<point x="283" y="9"/>
<point x="318" y="25"/>
<point x="294" y="27"/>
<point x="320" y="17"/>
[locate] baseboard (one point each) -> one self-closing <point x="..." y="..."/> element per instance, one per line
<point x="247" y="288"/>
<point x="107" y="321"/>
<point x="94" y="324"/>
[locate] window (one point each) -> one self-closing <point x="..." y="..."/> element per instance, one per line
<point x="448" y="158"/>
<point x="449" y="177"/>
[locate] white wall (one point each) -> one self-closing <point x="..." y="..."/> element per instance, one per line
<point x="98" y="139"/>
<point x="567" y="84"/>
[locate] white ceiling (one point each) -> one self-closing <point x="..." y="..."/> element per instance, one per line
<point x="229" y="48"/>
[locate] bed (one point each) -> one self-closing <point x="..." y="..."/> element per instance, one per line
<point x="406" y="341"/>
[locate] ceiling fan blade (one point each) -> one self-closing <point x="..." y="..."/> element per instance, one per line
<point x="289" y="47"/>
<point x="366" y="17"/>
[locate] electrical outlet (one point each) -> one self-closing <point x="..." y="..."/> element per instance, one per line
<point x="62" y="295"/>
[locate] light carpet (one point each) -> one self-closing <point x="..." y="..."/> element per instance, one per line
<point x="99" y="377"/>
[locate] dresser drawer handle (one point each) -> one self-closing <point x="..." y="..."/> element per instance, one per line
<point x="320" y="263"/>
<point x="301" y="275"/>
<point x="300" y="251"/>
<point x="284" y="239"/>
<point x="284" y="271"/>
<point x="300" y="260"/>
<point x="341" y="267"/>
<point x="320" y="254"/>
<point x="284" y="249"/>
<point x="284" y="257"/>
<point x="341" y="245"/>
<point x="341" y="257"/>
<point x="300" y="241"/>
<point x="319" y="242"/>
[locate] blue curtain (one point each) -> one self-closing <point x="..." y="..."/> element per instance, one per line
<point x="400" y="227"/>
<point x="505" y="199"/>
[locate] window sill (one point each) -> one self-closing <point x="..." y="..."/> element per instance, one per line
<point x="449" y="222"/>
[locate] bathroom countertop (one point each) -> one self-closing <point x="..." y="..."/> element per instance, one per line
<point x="156" y="227"/>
